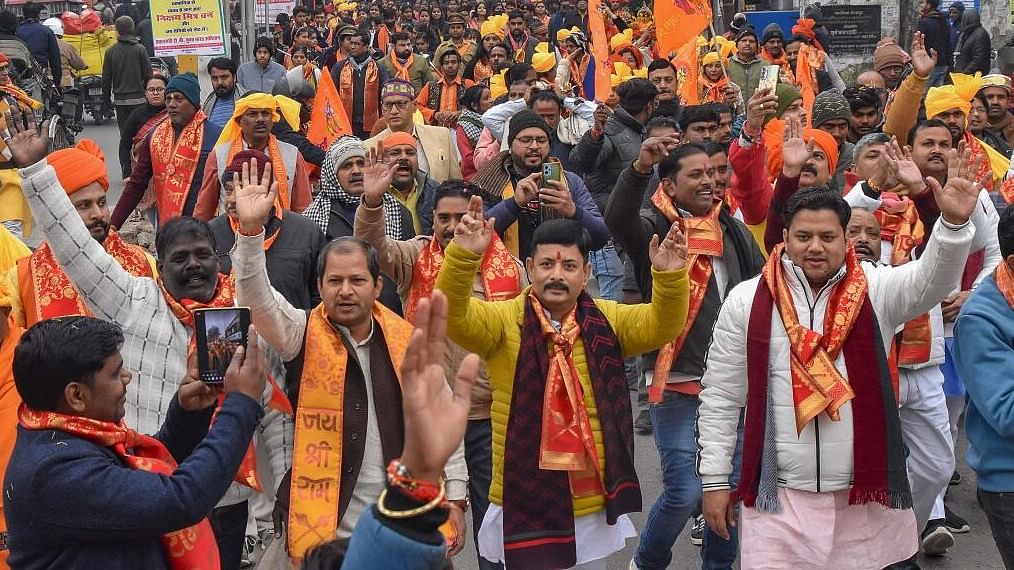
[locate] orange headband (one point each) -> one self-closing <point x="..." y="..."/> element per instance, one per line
<point x="397" y="139"/>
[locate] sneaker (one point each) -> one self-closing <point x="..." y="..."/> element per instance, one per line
<point x="642" y="424"/>
<point x="936" y="539"/>
<point x="697" y="532"/>
<point x="954" y="523"/>
<point x="249" y="548"/>
<point x="955" y="477"/>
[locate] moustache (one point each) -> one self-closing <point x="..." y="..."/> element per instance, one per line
<point x="809" y="169"/>
<point x="863" y="248"/>
<point x="403" y="163"/>
<point x="558" y="285"/>
<point x="936" y="156"/>
<point x="353" y="178"/>
<point x="101" y="224"/>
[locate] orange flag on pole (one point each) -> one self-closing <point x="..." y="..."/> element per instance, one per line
<point x="600" y="51"/>
<point x="328" y="120"/>
<point x="687" y="72"/>
<point x="678" y="21"/>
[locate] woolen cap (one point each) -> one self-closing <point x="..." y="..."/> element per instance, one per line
<point x="187" y="84"/>
<point x="525" y="120"/>
<point x="828" y="106"/>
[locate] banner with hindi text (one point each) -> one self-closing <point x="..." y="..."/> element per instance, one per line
<point x="188" y="27"/>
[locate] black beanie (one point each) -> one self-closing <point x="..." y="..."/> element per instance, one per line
<point x="524" y="120"/>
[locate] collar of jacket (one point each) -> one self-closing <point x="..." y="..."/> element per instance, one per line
<point x="625" y="120"/>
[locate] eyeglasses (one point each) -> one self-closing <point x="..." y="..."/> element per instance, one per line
<point x="527" y="141"/>
<point x="396" y="105"/>
<point x="155" y="90"/>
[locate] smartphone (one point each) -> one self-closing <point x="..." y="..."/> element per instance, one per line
<point x="551" y="171"/>
<point x="769" y="78"/>
<point x="219" y="332"/>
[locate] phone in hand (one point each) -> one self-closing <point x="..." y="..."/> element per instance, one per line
<point x="550" y="171"/>
<point x="769" y="78"/>
<point x="219" y="332"/>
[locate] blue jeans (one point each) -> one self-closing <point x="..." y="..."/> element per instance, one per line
<point x="479" y="458"/>
<point x="675" y="423"/>
<point x="938" y="76"/>
<point x="608" y="270"/>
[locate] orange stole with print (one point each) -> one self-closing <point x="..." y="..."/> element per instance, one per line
<point x="191" y="548"/>
<point x="704" y="239"/>
<point x="46" y="291"/>
<point x="1005" y="281"/>
<point x="371" y="93"/>
<point x="317" y="450"/>
<point x="818" y="386"/>
<point x="900" y="224"/>
<point x="978" y="158"/>
<point x="174" y="164"/>
<point x="278" y="173"/>
<point x="501" y="279"/>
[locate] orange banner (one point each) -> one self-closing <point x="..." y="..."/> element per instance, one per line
<point x="600" y="51"/>
<point x="678" y="21"/>
<point x="328" y="121"/>
<point x="687" y="72"/>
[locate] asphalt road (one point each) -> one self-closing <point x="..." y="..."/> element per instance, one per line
<point x="972" y="550"/>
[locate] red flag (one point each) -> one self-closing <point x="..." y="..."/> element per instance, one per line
<point x="328" y="120"/>
<point x="600" y="51"/>
<point x="678" y="21"/>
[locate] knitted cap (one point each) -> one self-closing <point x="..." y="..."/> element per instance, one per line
<point x="242" y="157"/>
<point x="787" y="95"/>
<point x="398" y="88"/>
<point x="888" y="55"/>
<point x="187" y="84"/>
<point x="747" y="31"/>
<point x="830" y="105"/>
<point x="345" y="148"/>
<point x="525" y="120"/>
<point x="772" y="31"/>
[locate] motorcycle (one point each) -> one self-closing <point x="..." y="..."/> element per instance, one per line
<point x="90" y="90"/>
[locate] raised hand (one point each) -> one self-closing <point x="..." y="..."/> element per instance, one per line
<point x="435" y="415"/>
<point x="653" y="151"/>
<point x="254" y="198"/>
<point x="671" y="254"/>
<point x="903" y="168"/>
<point x="958" y="198"/>
<point x="795" y="151"/>
<point x="761" y="104"/>
<point x="377" y="177"/>
<point x="28" y="144"/>
<point x="923" y="61"/>
<point x="474" y="232"/>
<point x="602" y="113"/>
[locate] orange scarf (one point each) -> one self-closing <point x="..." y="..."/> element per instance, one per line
<point x="782" y="62"/>
<point x="278" y="173"/>
<point x="371" y="93"/>
<point x="1005" y="281"/>
<point x="810" y="59"/>
<point x="482" y="71"/>
<point x="568" y="443"/>
<point x="21" y="96"/>
<point x="317" y="449"/>
<point x="978" y="154"/>
<point x="191" y="548"/>
<point x="174" y="163"/>
<point x="9" y="402"/>
<point x="501" y="279"/>
<point x="383" y="38"/>
<point x="900" y="224"/>
<point x="46" y="291"/>
<point x="402" y="71"/>
<point x="714" y="92"/>
<point x="267" y="240"/>
<point x="817" y="386"/>
<point x="704" y="240"/>
<point x="1007" y="190"/>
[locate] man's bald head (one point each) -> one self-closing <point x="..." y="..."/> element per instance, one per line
<point x="871" y="79"/>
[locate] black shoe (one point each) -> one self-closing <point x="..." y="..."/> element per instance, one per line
<point x="954" y="523"/>
<point x="955" y="477"/>
<point x="642" y="424"/>
<point x="697" y="532"/>
<point x="936" y="539"/>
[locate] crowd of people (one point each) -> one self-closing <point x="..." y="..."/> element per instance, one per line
<point x="475" y="271"/>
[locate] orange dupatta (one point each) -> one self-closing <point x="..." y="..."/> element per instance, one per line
<point x="501" y="279"/>
<point x="191" y="548"/>
<point x="1005" y="281"/>
<point x="174" y="164"/>
<point x="401" y="71"/>
<point x="317" y="448"/>
<point x="371" y="92"/>
<point x="46" y="291"/>
<point x="568" y="443"/>
<point x="704" y="240"/>
<point x="818" y="386"/>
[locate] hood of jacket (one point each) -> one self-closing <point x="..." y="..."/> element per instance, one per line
<point x="970" y="20"/>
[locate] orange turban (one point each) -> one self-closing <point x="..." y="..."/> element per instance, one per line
<point x="822" y="139"/>
<point x="79" y="166"/>
<point x="397" y="139"/>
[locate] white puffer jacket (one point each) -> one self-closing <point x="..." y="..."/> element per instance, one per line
<point x="819" y="459"/>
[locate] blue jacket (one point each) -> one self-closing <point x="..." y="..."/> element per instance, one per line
<point x="73" y="504"/>
<point x="376" y="545"/>
<point x="984" y="352"/>
<point x="42" y="42"/>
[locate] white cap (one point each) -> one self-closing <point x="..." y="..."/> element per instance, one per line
<point x="54" y="24"/>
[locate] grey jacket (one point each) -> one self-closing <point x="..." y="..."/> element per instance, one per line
<point x="211" y="99"/>
<point x="603" y="160"/>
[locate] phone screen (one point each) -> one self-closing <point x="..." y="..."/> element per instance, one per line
<point x="769" y="78"/>
<point x="219" y="332"/>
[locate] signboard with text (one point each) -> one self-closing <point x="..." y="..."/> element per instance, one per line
<point x="274" y="8"/>
<point x="188" y="27"/>
<point x="853" y="29"/>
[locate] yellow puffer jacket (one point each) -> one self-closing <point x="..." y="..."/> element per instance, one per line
<point x="493" y="331"/>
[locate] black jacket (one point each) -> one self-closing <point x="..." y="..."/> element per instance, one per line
<point x="937" y="35"/>
<point x="603" y="160"/>
<point x="974" y="52"/>
<point x="312" y="153"/>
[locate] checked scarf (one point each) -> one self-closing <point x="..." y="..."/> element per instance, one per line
<point x="191" y="548"/>
<point x="879" y="472"/>
<point x="550" y="452"/>
<point x="330" y="191"/>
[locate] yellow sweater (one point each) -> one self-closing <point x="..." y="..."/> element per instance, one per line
<point x="493" y="331"/>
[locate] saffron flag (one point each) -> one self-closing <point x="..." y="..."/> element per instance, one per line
<point x="678" y="21"/>
<point x="600" y="52"/>
<point x="687" y="67"/>
<point x="328" y="120"/>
